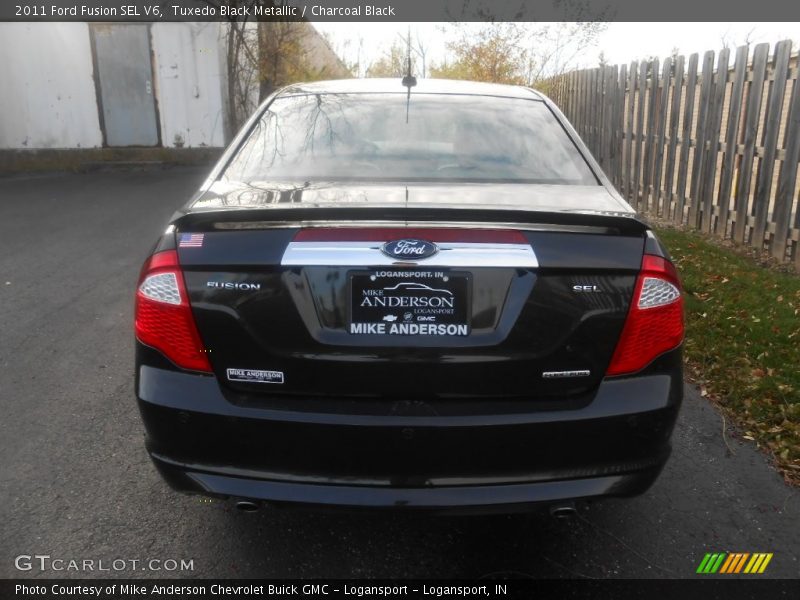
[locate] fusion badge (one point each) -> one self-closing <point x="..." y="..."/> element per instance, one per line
<point x="255" y="376"/>
<point x="233" y="285"/>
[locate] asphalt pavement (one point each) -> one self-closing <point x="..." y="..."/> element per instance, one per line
<point x="76" y="483"/>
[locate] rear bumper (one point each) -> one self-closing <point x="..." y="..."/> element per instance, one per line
<point x="466" y="499"/>
<point x="409" y="455"/>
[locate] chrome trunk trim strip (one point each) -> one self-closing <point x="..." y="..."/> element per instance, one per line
<point x="368" y="254"/>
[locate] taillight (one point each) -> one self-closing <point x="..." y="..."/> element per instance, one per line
<point x="655" y="318"/>
<point x="164" y="318"/>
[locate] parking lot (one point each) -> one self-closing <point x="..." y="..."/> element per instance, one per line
<point x="77" y="484"/>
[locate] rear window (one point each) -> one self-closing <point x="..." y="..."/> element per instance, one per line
<point x="431" y="137"/>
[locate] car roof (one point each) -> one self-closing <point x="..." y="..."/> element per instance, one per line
<point x="424" y="86"/>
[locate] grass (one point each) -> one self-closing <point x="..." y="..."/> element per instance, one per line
<point x="743" y="341"/>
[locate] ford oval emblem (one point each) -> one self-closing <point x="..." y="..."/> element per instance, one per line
<point x="409" y="249"/>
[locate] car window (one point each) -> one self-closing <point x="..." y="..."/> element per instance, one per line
<point x="427" y="137"/>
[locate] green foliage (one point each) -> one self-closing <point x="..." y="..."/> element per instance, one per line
<point x="743" y="341"/>
<point x="494" y="54"/>
<point x="286" y="55"/>
<point x="394" y="63"/>
<point x="515" y="53"/>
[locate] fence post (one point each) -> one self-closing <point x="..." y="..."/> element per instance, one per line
<point x="661" y="114"/>
<point x="731" y="139"/>
<point x="698" y="160"/>
<point x="686" y="136"/>
<point x="599" y="116"/>
<point x="583" y="83"/>
<point x="617" y="125"/>
<point x="786" y="180"/>
<point x="752" y="116"/>
<point x="674" y="119"/>
<point x="772" y="121"/>
<point x="652" y="103"/>
<point x="608" y="121"/>
<point x="713" y="128"/>
<point x="637" y="167"/>
<point x="597" y="112"/>
<point x="628" y="148"/>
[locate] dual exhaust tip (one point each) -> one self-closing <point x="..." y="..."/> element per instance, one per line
<point x="247" y="506"/>
<point x="563" y="510"/>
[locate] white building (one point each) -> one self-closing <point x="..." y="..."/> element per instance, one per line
<point x="80" y="85"/>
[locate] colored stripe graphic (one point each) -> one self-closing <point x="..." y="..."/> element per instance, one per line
<point x="740" y="564"/>
<point x="730" y="561"/>
<point x="717" y="563"/>
<point x="765" y="563"/>
<point x="734" y="562"/>
<point x="711" y="562"/>
<point x="758" y="563"/>
<point x="703" y="563"/>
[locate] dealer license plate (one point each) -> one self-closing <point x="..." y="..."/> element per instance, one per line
<point x="409" y="302"/>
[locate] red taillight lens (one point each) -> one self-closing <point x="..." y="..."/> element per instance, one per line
<point x="163" y="316"/>
<point x="655" y="318"/>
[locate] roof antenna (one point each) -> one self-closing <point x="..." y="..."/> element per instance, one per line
<point x="409" y="80"/>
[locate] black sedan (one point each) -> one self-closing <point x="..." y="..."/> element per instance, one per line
<point x="416" y="296"/>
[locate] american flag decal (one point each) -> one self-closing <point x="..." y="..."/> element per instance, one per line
<point x="191" y="240"/>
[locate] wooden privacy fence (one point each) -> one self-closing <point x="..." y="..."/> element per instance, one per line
<point x="700" y="142"/>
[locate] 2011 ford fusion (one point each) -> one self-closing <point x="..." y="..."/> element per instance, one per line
<point x="419" y="296"/>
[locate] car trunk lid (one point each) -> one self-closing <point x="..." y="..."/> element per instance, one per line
<point x="298" y="299"/>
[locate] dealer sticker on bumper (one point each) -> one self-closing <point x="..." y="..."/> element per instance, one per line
<point x="255" y="376"/>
